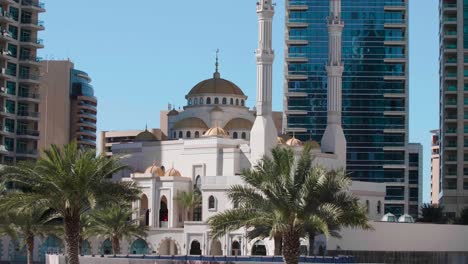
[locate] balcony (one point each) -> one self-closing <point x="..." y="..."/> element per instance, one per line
<point x="29" y="78"/>
<point x="29" y="97"/>
<point x="32" y="5"/>
<point x="32" y="24"/>
<point x="25" y="133"/>
<point x="27" y="153"/>
<point x="5" y="17"/>
<point x="87" y="142"/>
<point x="32" y="42"/>
<point x="28" y="115"/>
<point x="449" y="8"/>
<point x="31" y="60"/>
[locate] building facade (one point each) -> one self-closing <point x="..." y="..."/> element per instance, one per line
<point x="19" y="78"/>
<point x="109" y="138"/>
<point x="374" y="87"/>
<point x="68" y="106"/>
<point x="435" y="167"/>
<point x="453" y="102"/>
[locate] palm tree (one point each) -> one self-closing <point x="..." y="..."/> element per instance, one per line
<point x="188" y="200"/>
<point x="69" y="180"/>
<point x="288" y="197"/>
<point x="27" y="224"/>
<point x="115" y="222"/>
<point x="432" y="213"/>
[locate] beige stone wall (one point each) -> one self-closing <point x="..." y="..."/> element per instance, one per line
<point x="54" y="123"/>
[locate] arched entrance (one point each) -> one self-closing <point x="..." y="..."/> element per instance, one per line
<point x="139" y="247"/>
<point x="163" y="213"/>
<point x="235" y="248"/>
<point x="52" y="244"/>
<point x="106" y="247"/>
<point x="85" y="248"/>
<point x="168" y="247"/>
<point x="144" y="211"/>
<point x="216" y="248"/>
<point x="195" y="248"/>
<point x="16" y="253"/>
<point x="259" y="249"/>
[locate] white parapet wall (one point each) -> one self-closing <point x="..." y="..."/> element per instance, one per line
<point x="403" y="237"/>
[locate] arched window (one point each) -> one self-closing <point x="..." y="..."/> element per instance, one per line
<point x="174" y="135"/>
<point x="180" y="134"/>
<point x="237" y="101"/>
<point x="235" y="248"/>
<point x="216" y="100"/>
<point x="163" y="213"/>
<point x="188" y="134"/>
<point x="242" y="102"/>
<point x="224" y="100"/>
<point x="235" y="204"/>
<point x="244" y="135"/>
<point x="379" y="207"/>
<point x="211" y="202"/>
<point x="232" y="101"/>
<point x="144" y="210"/>
<point x="195" y="101"/>
<point x="201" y="100"/>
<point x="367" y="206"/>
<point x="197" y="185"/>
<point x="197" y="134"/>
<point x="259" y="249"/>
<point x="189" y="101"/>
<point x="208" y="100"/>
<point x="195" y="248"/>
<point x="234" y="135"/>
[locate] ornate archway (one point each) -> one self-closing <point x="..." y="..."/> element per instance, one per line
<point x="52" y="244"/>
<point x="163" y="213"/>
<point x="168" y="246"/>
<point x="144" y="211"/>
<point x="195" y="248"/>
<point x="106" y="247"/>
<point x="216" y="248"/>
<point x="259" y="248"/>
<point x="139" y="247"/>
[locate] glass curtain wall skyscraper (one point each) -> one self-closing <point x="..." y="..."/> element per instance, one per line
<point x="375" y="88"/>
<point x="454" y="102"/>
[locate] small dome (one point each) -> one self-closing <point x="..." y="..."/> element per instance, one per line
<point x="239" y="123"/>
<point x="145" y="136"/>
<point x="215" y="85"/>
<point x="216" y="132"/>
<point x="406" y="219"/>
<point x="173" y="173"/>
<point x="294" y="142"/>
<point x="389" y="218"/>
<point x="173" y="112"/>
<point x="153" y="169"/>
<point x="191" y="122"/>
<point x="280" y="141"/>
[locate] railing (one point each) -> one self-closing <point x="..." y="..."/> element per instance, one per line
<point x="26" y="113"/>
<point x="29" y="76"/>
<point x="252" y="259"/>
<point x="33" y="22"/>
<point x="33" y="3"/>
<point x="30" y="58"/>
<point x="26" y="151"/>
<point x="450" y="5"/>
<point x="29" y="95"/>
<point x="32" y="40"/>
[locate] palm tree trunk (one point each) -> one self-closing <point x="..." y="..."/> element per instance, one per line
<point x="311" y="244"/>
<point x="72" y="236"/>
<point x="115" y="245"/>
<point x="30" y="247"/>
<point x="278" y="243"/>
<point x="291" y="244"/>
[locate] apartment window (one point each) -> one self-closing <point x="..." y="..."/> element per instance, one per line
<point x="413" y="177"/>
<point x="414" y="194"/>
<point x="395" y="193"/>
<point x="414" y="159"/>
<point x="25" y="35"/>
<point x="12" y="50"/>
<point x="26" y="17"/>
<point x="10" y="106"/>
<point x="10" y="125"/>
<point x="11" y="69"/>
<point x="13" y="31"/>
<point x="465" y="185"/>
<point x="450" y="184"/>
<point x="10" y="88"/>
<point x="9" y="144"/>
<point x="14" y="13"/>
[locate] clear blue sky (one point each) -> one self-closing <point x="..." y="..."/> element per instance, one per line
<point x="143" y="56"/>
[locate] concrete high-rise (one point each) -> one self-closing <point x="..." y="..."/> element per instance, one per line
<point x="19" y="78"/>
<point x="453" y="105"/>
<point x="374" y="88"/>
<point x="68" y="106"/>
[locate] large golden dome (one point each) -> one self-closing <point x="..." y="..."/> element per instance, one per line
<point x="191" y="122"/>
<point x="145" y="136"/>
<point x="216" y="132"/>
<point x="238" y="123"/>
<point x="216" y="85"/>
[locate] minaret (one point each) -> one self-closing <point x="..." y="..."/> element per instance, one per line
<point x="333" y="140"/>
<point x="263" y="135"/>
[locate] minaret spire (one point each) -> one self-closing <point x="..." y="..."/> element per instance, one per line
<point x="216" y="75"/>
<point x="264" y="133"/>
<point x="333" y="140"/>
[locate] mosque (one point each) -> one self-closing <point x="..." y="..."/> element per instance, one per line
<point x="206" y="147"/>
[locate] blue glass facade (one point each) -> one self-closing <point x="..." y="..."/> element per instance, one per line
<point x="375" y="84"/>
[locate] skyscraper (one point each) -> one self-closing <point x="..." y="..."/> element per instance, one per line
<point x="68" y="106"/>
<point x="435" y="167"/>
<point x="454" y="102"/>
<point x="374" y="88"/>
<point x="19" y="78"/>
